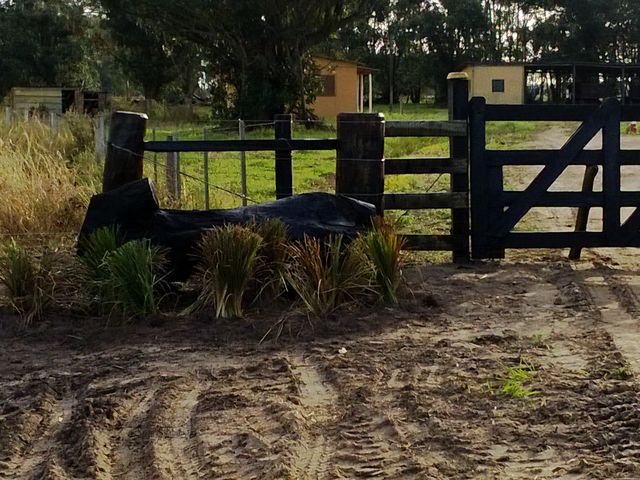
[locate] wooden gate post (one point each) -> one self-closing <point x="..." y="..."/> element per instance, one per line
<point x="125" y="150"/>
<point x="459" y="152"/>
<point x="360" y="157"/>
<point x="284" y="162"/>
<point x="172" y="172"/>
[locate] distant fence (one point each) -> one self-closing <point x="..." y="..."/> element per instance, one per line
<point x="53" y="119"/>
<point x="360" y="162"/>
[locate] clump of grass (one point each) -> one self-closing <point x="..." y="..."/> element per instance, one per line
<point x="328" y="276"/>
<point x="134" y="275"/>
<point x="95" y="248"/>
<point x="228" y="259"/>
<point x="383" y="246"/>
<point x="620" y="373"/>
<point x="515" y="377"/>
<point x="272" y="258"/>
<point x="28" y="282"/>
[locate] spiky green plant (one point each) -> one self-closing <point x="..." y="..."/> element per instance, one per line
<point x="135" y="274"/>
<point x="227" y="263"/>
<point x="28" y="282"/>
<point x="327" y="276"/>
<point x="514" y="380"/>
<point x="382" y="246"/>
<point x="272" y="258"/>
<point x="95" y="248"/>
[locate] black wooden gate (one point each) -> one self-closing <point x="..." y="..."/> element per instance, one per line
<point x="495" y="212"/>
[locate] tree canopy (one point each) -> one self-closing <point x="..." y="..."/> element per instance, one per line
<point x="253" y="57"/>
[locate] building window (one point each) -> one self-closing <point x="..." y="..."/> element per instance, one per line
<point x="328" y="85"/>
<point x="497" y="86"/>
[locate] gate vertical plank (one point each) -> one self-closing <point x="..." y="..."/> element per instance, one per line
<point x="495" y="187"/>
<point x="459" y="150"/>
<point x="479" y="183"/>
<point x="611" y="174"/>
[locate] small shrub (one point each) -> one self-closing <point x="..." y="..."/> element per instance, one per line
<point x="327" y="277"/>
<point x="27" y="281"/>
<point x="228" y="259"/>
<point x="272" y="259"/>
<point x="134" y="275"/>
<point x="383" y="247"/>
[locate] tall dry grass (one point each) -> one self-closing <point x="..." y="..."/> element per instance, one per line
<point x="46" y="179"/>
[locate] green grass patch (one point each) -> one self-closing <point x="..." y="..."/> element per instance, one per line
<point x="515" y="379"/>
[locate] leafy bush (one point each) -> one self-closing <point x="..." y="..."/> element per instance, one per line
<point x="228" y="260"/>
<point x="135" y="274"/>
<point x="328" y="276"/>
<point x="28" y="282"/>
<point x="383" y="246"/>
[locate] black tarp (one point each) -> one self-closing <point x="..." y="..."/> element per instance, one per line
<point x="135" y="210"/>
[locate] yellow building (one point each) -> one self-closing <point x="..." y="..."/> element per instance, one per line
<point x="344" y="87"/>
<point x="499" y="84"/>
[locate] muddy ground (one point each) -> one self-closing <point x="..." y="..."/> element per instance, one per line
<point x="407" y="393"/>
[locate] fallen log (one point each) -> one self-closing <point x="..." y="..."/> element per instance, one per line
<point x="134" y="209"/>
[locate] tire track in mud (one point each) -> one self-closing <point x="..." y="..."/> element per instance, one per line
<point x="368" y="436"/>
<point x="617" y="303"/>
<point x="26" y="431"/>
<point x="243" y="424"/>
<point x="310" y="457"/>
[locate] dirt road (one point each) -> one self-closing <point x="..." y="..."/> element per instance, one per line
<point x="412" y="393"/>
<point x="394" y="394"/>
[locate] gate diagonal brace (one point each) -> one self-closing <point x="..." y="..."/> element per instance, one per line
<point x="571" y="149"/>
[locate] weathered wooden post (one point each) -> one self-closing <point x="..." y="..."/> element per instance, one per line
<point x="53" y="123"/>
<point x="205" y="166"/>
<point x="125" y="150"/>
<point x="360" y="157"/>
<point x="284" y="162"/>
<point x="155" y="157"/>
<point x="459" y="151"/>
<point x="242" y="133"/>
<point x="172" y="172"/>
<point x="582" y="217"/>
<point x="98" y="136"/>
<point x="8" y="115"/>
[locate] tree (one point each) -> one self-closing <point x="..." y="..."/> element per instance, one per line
<point x="40" y="43"/>
<point x="260" y="49"/>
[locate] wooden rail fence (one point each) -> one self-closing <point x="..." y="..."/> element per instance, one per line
<point x="361" y="166"/>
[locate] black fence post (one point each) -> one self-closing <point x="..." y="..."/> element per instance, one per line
<point x="125" y="150"/>
<point x="360" y="157"/>
<point x="479" y="179"/>
<point x="459" y="151"/>
<point x="284" y="161"/>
